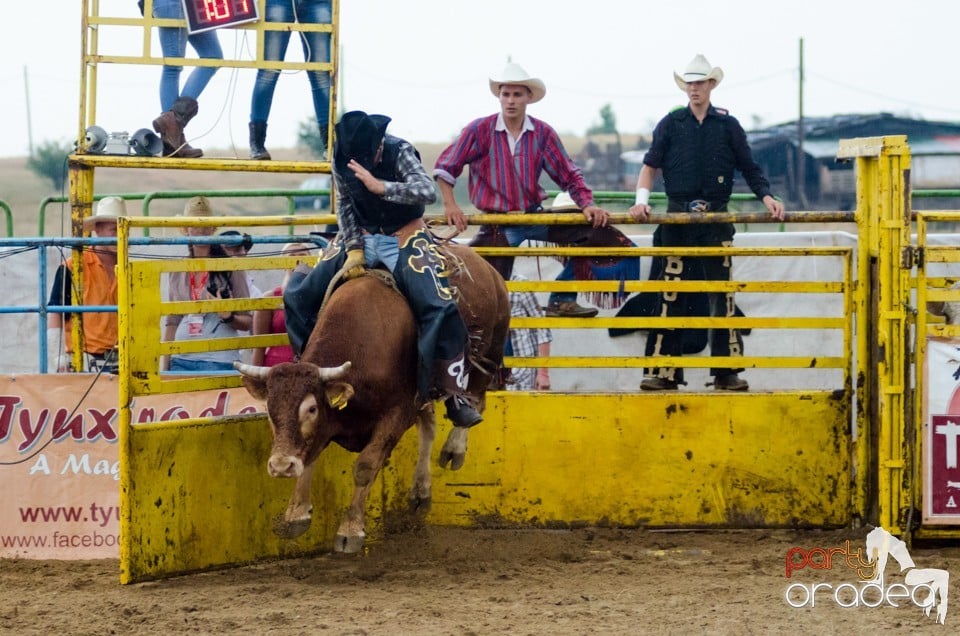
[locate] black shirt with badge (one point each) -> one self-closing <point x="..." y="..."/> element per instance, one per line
<point x="698" y="159"/>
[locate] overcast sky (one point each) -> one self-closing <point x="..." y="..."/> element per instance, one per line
<point x="426" y="64"/>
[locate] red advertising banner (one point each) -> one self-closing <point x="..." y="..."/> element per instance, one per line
<point x="941" y="433"/>
<point x="59" y="465"/>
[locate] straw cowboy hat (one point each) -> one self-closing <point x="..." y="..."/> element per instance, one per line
<point x="563" y="203"/>
<point x="698" y="70"/>
<point x="358" y="136"/>
<point x="198" y="206"/>
<point x="108" y="209"/>
<point x="514" y="74"/>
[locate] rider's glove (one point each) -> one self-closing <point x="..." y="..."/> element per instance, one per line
<point x="354" y="265"/>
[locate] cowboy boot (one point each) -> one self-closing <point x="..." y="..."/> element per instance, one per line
<point x="170" y="125"/>
<point x="169" y="130"/>
<point x="324" y="136"/>
<point x="461" y="412"/>
<point x="258" y="136"/>
<point x="185" y="109"/>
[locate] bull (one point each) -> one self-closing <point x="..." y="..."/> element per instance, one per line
<point x="356" y="385"/>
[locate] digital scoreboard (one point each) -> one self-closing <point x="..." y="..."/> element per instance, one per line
<point x="204" y="15"/>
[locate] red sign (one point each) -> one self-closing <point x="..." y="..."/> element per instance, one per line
<point x="941" y="433"/>
<point x="944" y="442"/>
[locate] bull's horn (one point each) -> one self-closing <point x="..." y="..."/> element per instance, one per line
<point x="252" y="371"/>
<point x="334" y="373"/>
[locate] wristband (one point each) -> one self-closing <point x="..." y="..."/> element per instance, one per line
<point x="643" y="196"/>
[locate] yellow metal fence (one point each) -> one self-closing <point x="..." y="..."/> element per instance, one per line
<point x="690" y="459"/>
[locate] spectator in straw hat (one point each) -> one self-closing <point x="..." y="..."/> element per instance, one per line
<point x="697" y="148"/>
<point x="507" y="152"/>
<point x="205" y="285"/>
<point x="98" y="329"/>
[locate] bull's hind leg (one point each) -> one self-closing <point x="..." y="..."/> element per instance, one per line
<point x="296" y="519"/>
<point x="454" y="451"/>
<point x="351" y="534"/>
<point x="421" y="492"/>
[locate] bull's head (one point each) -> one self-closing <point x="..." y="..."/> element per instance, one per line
<point x="298" y="396"/>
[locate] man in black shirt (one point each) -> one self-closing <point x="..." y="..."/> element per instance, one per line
<point x="697" y="149"/>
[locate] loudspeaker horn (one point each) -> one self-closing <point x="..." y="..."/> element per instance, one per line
<point x="145" y="143"/>
<point x="95" y="139"/>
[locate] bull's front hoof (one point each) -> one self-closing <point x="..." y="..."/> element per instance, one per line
<point x="455" y="460"/>
<point x="348" y="545"/>
<point x="420" y="505"/>
<point x="286" y="529"/>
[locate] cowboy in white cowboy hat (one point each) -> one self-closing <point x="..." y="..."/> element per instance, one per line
<point x="680" y="142"/>
<point x="507" y="153"/>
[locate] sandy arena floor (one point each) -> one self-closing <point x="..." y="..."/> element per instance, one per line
<point x="429" y="580"/>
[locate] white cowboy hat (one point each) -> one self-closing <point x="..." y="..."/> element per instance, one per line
<point x="698" y="70"/>
<point x="563" y="202"/>
<point x="514" y="74"/>
<point x="108" y="209"/>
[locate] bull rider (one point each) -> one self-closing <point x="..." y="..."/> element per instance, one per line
<point x="382" y="188"/>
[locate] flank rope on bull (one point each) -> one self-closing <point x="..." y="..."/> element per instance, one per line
<point x="385" y="277"/>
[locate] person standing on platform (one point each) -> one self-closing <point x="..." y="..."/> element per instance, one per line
<point x="179" y="106"/>
<point x="316" y="48"/>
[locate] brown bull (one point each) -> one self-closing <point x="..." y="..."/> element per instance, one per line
<point x="355" y="385"/>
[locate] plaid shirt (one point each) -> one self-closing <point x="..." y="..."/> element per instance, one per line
<point x="526" y="342"/>
<point x="413" y="186"/>
<point x="501" y="181"/>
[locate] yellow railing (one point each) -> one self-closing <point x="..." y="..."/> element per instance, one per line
<point x="144" y="53"/>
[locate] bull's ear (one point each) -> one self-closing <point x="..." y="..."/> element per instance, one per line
<point x="338" y="394"/>
<point x="255" y="387"/>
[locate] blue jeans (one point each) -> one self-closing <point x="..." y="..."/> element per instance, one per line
<point x="421" y="277"/>
<point x="181" y="364"/>
<point x="517" y="234"/>
<point x="173" y="43"/>
<point x="316" y="48"/>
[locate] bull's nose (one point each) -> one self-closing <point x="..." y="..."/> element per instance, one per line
<point x="284" y="466"/>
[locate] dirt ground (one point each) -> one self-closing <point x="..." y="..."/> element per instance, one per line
<point x="431" y="580"/>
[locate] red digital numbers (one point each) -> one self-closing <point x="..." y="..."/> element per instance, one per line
<point x="203" y="15"/>
<point x="216" y="10"/>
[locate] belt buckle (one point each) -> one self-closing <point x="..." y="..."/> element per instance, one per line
<point x="699" y="205"/>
